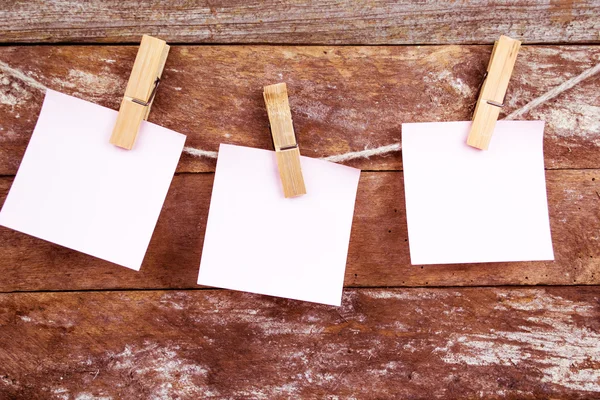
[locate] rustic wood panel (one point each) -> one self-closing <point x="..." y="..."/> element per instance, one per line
<point x="298" y="21"/>
<point x="382" y="343"/>
<point x="403" y="343"/>
<point x="342" y="98"/>
<point x="378" y="254"/>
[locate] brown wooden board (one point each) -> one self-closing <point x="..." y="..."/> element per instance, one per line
<point x="88" y="342"/>
<point x="342" y="98"/>
<point x="378" y="253"/>
<point x="381" y="344"/>
<point x="300" y="21"/>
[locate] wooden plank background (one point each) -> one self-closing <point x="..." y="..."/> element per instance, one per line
<point x="342" y="98"/>
<point x="380" y="344"/>
<point x="378" y="254"/>
<point x="75" y="327"/>
<point x="298" y="21"/>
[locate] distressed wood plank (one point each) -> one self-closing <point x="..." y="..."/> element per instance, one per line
<point x="378" y="254"/>
<point x="403" y="343"/>
<point x="342" y="98"/>
<point x="297" y="21"/>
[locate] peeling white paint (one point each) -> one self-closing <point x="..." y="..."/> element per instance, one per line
<point x="562" y="348"/>
<point x="540" y="300"/>
<point x="406" y="294"/>
<point x="18" y="74"/>
<point x="60" y="394"/>
<point x="481" y="352"/>
<point x="89" y="396"/>
<point x="11" y="92"/>
<point x="96" y="85"/>
<point x="459" y="86"/>
<point x="174" y="300"/>
<point x="572" y="195"/>
<point x="572" y="55"/>
<point x="8" y="99"/>
<point x="572" y="119"/>
<point x="57" y="320"/>
<point x="409" y="347"/>
<point x="270" y="327"/>
<point x="171" y="375"/>
<point x="312" y="109"/>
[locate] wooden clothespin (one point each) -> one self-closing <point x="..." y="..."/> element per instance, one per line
<point x="284" y="140"/>
<point x="141" y="88"/>
<point x="491" y="96"/>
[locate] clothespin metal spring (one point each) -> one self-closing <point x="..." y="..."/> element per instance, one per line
<point x="146" y="103"/>
<point x="141" y="89"/>
<point x="492" y="92"/>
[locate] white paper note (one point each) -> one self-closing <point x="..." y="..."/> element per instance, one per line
<point x="258" y="241"/>
<point x="465" y="205"/>
<point x="76" y="189"/>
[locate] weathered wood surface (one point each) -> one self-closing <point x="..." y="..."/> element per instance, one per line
<point x="299" y="21"/>
<point x="378" y="254"/>
<point x="343" y="98"/>
<point x="381" y="344"/>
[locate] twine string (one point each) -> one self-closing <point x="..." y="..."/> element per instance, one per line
<point x="367" y="152"/>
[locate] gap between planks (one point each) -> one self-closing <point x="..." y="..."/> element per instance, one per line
<point x="212" y="289"/>
<point x="314" y="44"/>
<point x="378" y="171"/>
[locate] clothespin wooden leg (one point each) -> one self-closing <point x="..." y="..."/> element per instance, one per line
<point x="491" y="96"/>
<point x="141" y="88"/>
<point x="284" y="140"/>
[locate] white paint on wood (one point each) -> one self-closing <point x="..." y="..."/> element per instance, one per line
<point x="568" y="351"/>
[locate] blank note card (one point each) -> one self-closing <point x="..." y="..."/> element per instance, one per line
<point x="258" y="241"/>
<point x="75" y="189"/>
<point x="465" y="205"/>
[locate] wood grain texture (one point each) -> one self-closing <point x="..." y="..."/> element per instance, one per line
<point x="493" y="91"/>
<point x="446" y="343"/>
<point x="284" y="140"/>
<point x="378" y="253"/>
<point x="342" y="98"/>
<point x="143" y="81"/>
<point x="380" y="344"/>
<point x="297" y="21"/>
